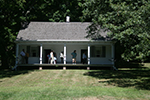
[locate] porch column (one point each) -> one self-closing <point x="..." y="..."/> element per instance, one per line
<point x="65" y="53"/>
<point x="41" y="54"/>
<point x="88" y="57"/>
<point x="112" y="53"/>
<point x="64" y="68"/>
<point x="113" y="57"/>
<point x="88" y="54"/>
<point x="40" y="68"/>
<point x="17" y="48"/>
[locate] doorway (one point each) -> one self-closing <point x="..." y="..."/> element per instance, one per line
<point x="82" y="51"/>
<point x="47" y="51"/>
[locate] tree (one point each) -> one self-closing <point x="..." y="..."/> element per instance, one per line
<point x="128" y="22"/>
<point x="13" y="17"/>
<point x="56" y="11"/>
<point x="16" y="14"/>
<point x="9" y="11"/>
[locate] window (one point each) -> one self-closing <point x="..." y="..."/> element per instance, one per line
<point x="98" y="51"/>
<point x="34" y="51"/>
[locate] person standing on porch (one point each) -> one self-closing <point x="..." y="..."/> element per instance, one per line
<point x="62" y="56"/>
<point x="49" y="58"/>
<point x="74" y="54"/>
<point x="22" y="56"/>
<point x="27" y="56"/>
<point x="52" y="57"/>
<point x="84" y="58"/>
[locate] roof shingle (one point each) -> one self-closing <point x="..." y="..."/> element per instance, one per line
<point x="54" y="31"/>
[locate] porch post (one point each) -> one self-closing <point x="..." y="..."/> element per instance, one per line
<point x="17" y="48"/>
<point x="112" y="52"/>
<point x="113" y="57"/>
<point x="88" y="57"/>
<point x="88" y="54"/>
<point x="41" y="47"/>
<point x="64" y="56"/>
<point x="64" y="53"/>
<point x="41" y="54"/>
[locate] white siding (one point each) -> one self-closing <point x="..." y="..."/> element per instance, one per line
<point x="70" y="47"/>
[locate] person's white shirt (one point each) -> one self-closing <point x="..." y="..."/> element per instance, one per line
<point x="51" y="54"/>
<point x="61" y="55"/>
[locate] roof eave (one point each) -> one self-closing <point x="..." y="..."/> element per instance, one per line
<point x="61" y="41"/>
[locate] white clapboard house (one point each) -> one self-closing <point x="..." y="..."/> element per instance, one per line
<point x="41" y="37"/>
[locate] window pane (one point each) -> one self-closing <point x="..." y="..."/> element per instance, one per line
<point x="92" y="51"/>
<point x="34" y="51"/>
<point x="98" y="51"/>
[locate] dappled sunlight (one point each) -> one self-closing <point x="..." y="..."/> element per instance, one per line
<point x="74" y="84"/>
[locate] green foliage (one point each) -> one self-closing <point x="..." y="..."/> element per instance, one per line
<point x="128" y="22"/>
<point x="14" y="14"/>
<point x="56" y="11"/>
<point x="9" y="13"/>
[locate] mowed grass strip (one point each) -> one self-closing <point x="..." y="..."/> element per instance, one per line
<point x="70" y="85"/>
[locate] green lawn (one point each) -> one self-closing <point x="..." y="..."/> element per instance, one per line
<point x="127" y="84"/>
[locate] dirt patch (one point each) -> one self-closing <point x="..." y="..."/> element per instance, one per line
<point x="97" y="98"/>
<point x="87" y="98"/>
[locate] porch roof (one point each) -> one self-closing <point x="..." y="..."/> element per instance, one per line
<point x="56" y="31"/>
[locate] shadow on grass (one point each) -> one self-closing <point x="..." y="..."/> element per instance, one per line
<point x="139" y="79"/>
<point x="8" y="73"/>
<point x="129" y="65"/>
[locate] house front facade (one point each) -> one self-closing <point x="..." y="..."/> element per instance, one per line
<point x="39" y="38"/>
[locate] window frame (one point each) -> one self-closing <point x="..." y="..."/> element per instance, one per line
<point x="98" y="51"/>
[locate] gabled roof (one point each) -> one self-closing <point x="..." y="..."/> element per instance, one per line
<point x="41" y="31"/>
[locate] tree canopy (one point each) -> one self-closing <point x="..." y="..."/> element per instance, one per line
<point x="16" y="14"/>
<point x="128" y="22"/>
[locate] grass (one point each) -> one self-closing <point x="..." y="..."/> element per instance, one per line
<point x="126" y="84"/>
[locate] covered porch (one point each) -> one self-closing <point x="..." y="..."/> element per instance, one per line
<point x="41" y="37"/>
<point x="99" y="54"/>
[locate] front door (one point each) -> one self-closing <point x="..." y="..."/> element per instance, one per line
<point x="47" y="51"/>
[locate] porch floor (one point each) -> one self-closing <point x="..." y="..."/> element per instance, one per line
<point x="60" y="65"/>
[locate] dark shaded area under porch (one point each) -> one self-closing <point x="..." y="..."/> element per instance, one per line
<point x="67" y="66"/>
